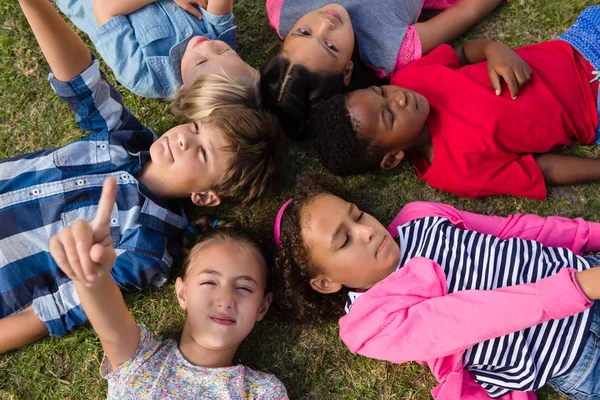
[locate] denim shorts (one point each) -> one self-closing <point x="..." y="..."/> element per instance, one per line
<point x="582" y="382"/>
<point x="584" y="36"/>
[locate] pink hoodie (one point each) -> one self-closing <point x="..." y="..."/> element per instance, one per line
<point x="410" y="317"/>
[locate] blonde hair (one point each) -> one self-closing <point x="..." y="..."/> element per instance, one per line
<point x="212" y="91"/>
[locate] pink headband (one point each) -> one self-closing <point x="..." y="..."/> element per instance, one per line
<point x="277" y="225"/>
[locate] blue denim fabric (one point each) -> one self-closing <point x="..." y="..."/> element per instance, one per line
<point x="583" y="381"/>
<point x="144" y="49"/>
<point x="584" y="35"/>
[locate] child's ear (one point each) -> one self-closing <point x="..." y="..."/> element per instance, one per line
<point x="206" y="199"/>
<point x="264" y="307"/>
<point x="323" y="284"/>
<point x="348" y="72"/>
<point x="392" y="159"/>
<point x="180" y="291"/>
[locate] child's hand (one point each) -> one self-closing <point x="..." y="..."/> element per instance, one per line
<point x="504" y="62"/>
<point x="188" y="5"/>
<point x="589" y="282"/>
<point x="84" y="250"/>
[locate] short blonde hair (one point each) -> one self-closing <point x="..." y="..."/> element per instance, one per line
<point x="212" y="91"/>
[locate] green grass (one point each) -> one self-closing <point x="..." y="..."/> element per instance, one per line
<point x="311" y="361"/>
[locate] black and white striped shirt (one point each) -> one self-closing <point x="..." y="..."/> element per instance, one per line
<point x="523" y="360"/>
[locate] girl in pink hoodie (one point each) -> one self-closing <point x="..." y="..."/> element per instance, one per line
<point x="496" y="306"/>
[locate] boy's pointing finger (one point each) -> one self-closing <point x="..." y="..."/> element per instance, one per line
<point x="106" y="204"/>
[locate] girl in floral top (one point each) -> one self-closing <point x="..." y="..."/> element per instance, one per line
<point x="223" y="288"/>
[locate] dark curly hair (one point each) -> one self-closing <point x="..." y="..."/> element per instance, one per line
<point x="294" y="265"/>
<point x="292" y="91"/>
<point x="204" y="234"/>
<point x="339" y="142"/>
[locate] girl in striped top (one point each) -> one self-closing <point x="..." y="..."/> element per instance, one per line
<point x="497" y="307"/>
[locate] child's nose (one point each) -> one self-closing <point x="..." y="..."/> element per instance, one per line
<point x="398" y="99"/>
<point x="225" y="299"/>
<point x="183" y="141"/>
<point x="367" y="233"/>
<point x="326" y="26"/>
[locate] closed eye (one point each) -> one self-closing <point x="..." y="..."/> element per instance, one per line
<point x="244" y="288"/>
<point x="203" y="153"/>
<point x="360" y="216"/>
<point x="210" y="283"/>
<point x="346" y="242"/>
<point x="392" y="118"/>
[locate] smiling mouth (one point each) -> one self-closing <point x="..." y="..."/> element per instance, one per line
<point x="222" y="320"/>
<point x="199" y="41"/>
<point x="382" y="245"/>
<point x="169" y="148"/>
<point x="334" y="14"/>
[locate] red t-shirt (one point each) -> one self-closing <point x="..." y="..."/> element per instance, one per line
<point x="482" y="143"/>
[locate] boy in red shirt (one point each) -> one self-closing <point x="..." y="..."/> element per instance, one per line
<point x="463" y="137"/>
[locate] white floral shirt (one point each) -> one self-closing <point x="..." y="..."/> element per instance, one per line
<point x="158" y="370"/>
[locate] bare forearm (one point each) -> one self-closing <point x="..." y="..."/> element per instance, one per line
<point x="561" y="169"/>
<point x="105" y="308"/>
<point x="473" y="51"/>
<point x="453" y="22"/>
<point x="219" y="7"/>
<point x="107" y="9"/>
<point x="21" y="329"/>
<point x="65" y="52"/>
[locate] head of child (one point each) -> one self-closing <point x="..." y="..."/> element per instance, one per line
<point x="224" y="289"/>
<point x="315" y="62"/>
<point x="327" y="243"/>
<point x="368" y="129"/>
<point x="204" y="56"/>
<point x="227" y="156"/>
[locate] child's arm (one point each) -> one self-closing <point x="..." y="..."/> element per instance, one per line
<point x="65" y="52"/>
<point x="502" y="61"/>
<point x="20" y="329"/>
<point x="410" y="317"/>
<point x="559" y="169"/>
<point x="453" y="22"/>
<point x="575" y="234"/>
<point x="97" y="105"/>
<point x="104" y="10"/>
<point x="220" y="7"/>
<point x="85" y="253"/>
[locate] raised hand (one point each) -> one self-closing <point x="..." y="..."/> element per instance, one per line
<point x="84" y="250"/>
<point x="504" y="63"/>
<point x="188" y="5"/>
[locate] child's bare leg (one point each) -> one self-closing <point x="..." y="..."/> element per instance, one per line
<point x="21" y="329"/>
<point x="561" y="169"/>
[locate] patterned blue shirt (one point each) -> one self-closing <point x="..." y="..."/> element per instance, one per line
<point x="42" y="192"/>
<point x="144" y="49"/>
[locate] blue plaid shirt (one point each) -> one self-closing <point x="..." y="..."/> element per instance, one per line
<point x="42" y="192"/>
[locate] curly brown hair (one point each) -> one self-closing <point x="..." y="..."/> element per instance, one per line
<point x="295" y="268"/>
<point x="203" y="234"/>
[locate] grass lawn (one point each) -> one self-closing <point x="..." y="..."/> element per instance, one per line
<point x="310" y="360"/>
